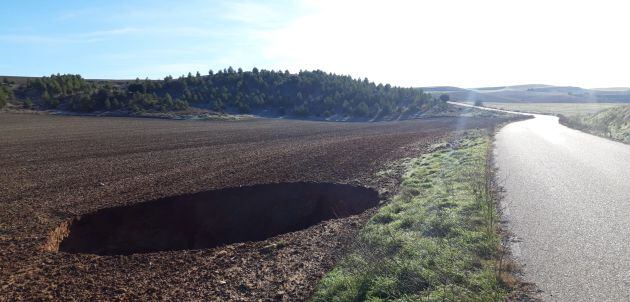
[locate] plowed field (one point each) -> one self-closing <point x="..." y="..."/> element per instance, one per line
<point x="55" y="168"/>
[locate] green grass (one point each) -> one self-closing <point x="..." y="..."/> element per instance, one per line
<point x="612" y="123"/>
<point x="435" y="241"/>
<point x="553" y="108"/>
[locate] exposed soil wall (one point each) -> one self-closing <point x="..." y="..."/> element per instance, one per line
<point x="209" y="219"/>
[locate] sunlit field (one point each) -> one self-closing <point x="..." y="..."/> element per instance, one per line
<point x="554" y="108"/>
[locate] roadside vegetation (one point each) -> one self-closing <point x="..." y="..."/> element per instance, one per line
<point x="613" y="123"/>
<point x="437" y="240"/>
<point x="307" y="93"/>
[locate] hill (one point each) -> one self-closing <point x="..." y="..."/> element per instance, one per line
<point x="613" y="123"/>
<point x="277" y="93"/>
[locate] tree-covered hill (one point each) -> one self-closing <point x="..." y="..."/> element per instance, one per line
<point x="307" y="93"/>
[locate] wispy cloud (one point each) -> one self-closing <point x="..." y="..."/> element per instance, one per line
<point x="109" y="33"/>
<point x="125" y="39"/>
<point x="249" y="12"/>
<point x="104" y="35"/>
<point x="31" y="39"/>
<point x="76" y="14"/>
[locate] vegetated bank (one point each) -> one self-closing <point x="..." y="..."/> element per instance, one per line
<point x="437" y="240"/>
<point x="266" y="92"/>
<point x="613" y="123"/>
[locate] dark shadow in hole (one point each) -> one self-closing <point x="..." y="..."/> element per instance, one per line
<point x="212" y="218"/>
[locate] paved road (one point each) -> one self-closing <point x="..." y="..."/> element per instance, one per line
<point x="568" y="204"/>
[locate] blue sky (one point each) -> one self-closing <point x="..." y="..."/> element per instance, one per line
<point x="403" y="42"/>
<point x="128" y="39"/>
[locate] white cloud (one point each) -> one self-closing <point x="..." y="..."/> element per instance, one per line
<point x="248" y="12"/>
<point x="76" y="14"/>
<point x="82" y="37"/>
<point x="409" y="43"/>
<point x="460" y="42"/>
<point x="103" y="35"/>
<point x="99" y="34"/>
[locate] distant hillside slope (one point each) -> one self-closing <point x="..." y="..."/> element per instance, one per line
<point x="613" y="123"/>
<point x="536" y="93"/>
<point x="305" y="94"/>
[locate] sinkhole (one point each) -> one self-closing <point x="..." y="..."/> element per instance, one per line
<point x="209" y="219"/>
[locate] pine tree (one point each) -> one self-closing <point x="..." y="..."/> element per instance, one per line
<point x="45" y="96"/>
<point x="168" y="101"/>
<point x="107" y="104"/>
<point x="28" y="104"/>
<point x="312" y="92"/>
<point x="3" y="98"/>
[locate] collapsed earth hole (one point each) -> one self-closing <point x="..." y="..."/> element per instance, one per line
<point x="209" y="219"/>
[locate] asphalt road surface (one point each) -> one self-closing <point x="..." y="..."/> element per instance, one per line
<point x="567" y="202"/>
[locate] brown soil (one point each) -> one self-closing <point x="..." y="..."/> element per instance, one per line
<point x="56" y="168"/>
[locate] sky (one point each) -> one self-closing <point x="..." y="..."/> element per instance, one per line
<point x="461" y="43"/>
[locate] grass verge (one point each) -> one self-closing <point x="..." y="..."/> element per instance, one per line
<point x="437" y="240"/>
<point x="612" y="123"/>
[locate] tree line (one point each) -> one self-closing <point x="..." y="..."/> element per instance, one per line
<point x="307" y="93"/>
<point x="6" y="93"/>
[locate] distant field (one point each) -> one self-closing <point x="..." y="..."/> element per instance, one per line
<point x="554" y="108"/>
